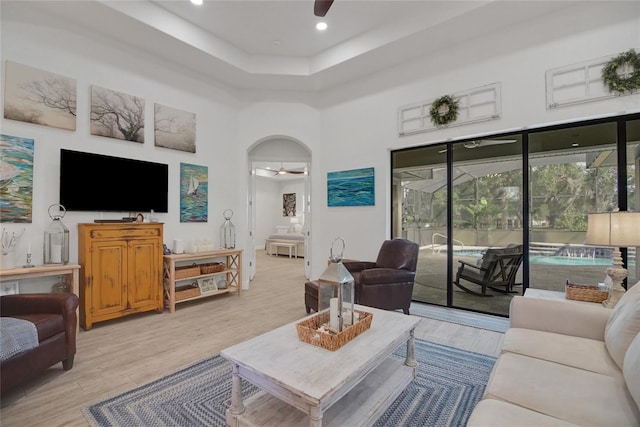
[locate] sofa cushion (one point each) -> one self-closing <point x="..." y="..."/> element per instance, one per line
<point x="583" y="353"/>
<point x="497" y="413"/>
<point x="623" y="324"/>
<point x="632" y="369"/>
<point x="571" y="394"/>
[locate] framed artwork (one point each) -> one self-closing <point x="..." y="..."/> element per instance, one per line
<point x="207" y="285"/>
<point x="175" y="129"/>
<point x="16" y="179"/>
<point x="116" y="115"/>
<point x="39" y="97"/>
<point x="354" y="187"/>
<point x="194" y="193"/>
<point x="289" y="204"/>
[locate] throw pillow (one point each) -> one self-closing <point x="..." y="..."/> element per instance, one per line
<point x="623" y="325"/>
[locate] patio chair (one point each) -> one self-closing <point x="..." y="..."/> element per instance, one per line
<point x="497" y="271"/>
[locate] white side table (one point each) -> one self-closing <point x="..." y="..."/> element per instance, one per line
<point x="556" y="295"/>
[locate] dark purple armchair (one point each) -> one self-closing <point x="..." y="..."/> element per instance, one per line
<point x="388" y="282"/>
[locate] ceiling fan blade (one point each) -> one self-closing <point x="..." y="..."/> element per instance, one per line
<point x="486" y="142"/>
<point x="321" y="7"/>
<point x="294" y="172"/>
<point x="497" y="141"/>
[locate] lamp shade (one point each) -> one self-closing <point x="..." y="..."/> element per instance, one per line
<point x="618" y="229"/>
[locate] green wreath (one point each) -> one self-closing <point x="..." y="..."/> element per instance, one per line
<point x="613" y="81"/>
<point x="450" y="112"/>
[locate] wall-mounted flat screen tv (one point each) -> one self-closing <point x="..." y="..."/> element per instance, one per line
<point x="95" y="182"/>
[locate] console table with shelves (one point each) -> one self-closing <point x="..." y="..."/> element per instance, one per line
<point x="70" y="272"/>
<point x="232" y="271"/>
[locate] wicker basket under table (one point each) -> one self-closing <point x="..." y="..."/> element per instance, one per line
<point x="187" y="291"/>
<point x="584" y="293"/>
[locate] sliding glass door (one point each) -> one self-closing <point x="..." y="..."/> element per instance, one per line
<point x="470" y="202"/>
<point x="572" y="172"/>
<point x="487" y="210"/>
<point x="420" y="215"/>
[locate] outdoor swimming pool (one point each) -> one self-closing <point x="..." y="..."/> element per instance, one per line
<point x="544" y="259"/>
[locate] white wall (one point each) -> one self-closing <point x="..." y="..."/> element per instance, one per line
<point x="351" y="127"/>
<point x="268" y="208"/>
<point x="359" y="132"/>
<point x="113" y="66"/>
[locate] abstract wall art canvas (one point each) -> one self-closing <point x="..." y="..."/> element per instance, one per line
<point x="39" y="97"/>
<point x="289" y="204"/>
<point x="194" y="196"/>
<point x="16" y="179"/>
<point x="116" y="115"/>
<point x="175" y="129"/>
<point x="351" y="188"/>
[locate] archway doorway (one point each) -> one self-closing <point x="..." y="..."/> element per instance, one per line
<point x="279" y="200"/>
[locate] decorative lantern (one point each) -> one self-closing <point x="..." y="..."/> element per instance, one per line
<point x="56" y="239"/>
<point x="337" y="280"/>
<point x="228" y="231"/>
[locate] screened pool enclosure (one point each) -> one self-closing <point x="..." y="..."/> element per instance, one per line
<point x="532" y="188"/>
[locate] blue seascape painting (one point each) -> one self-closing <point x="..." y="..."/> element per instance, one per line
<point x="194" y="193"/>
<point x="16" y="179"/>
<point x="351" y="188"/>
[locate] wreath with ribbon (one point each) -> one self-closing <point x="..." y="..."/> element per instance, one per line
<point x="444" y="110"/>
<point x="617" y="83"/>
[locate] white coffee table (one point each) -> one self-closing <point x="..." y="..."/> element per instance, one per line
<point x="351" y="386"/>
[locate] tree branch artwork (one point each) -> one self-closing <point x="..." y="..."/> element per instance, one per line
<point x="117" y="115"/>
<point x="39" y="97"/>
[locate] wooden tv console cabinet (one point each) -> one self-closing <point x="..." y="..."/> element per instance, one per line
<point x="121" y="270"/>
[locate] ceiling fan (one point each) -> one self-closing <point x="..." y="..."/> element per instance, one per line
<point x="321" y="7"/>
<point x="485" y="142"/>
<point x="283" y="171"/>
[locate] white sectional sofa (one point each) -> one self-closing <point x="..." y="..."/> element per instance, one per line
<point x="565" y="363"/>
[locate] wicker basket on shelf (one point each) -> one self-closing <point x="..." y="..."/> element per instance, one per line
<point x="187" y="291"/>
<point x="212" y="267"/>
<point x="586" y="293"/>
<point x="308" y="330"/>
<point x="187" y="271"/>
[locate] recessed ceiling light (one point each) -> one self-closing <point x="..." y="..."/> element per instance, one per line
<point x="321" y="26"/>
<point x="198" y="2"/>
<point x="276" y="43"/>
<point x="575" y="144"/>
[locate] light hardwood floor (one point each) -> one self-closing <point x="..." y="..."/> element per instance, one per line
<point x="121" y="354"/>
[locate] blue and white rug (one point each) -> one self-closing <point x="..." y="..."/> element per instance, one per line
<point x="449" y="384"/>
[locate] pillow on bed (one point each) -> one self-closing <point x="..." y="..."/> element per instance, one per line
<point x="282" y="229"/>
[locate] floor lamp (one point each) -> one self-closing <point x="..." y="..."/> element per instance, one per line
<point x="614" y="229"/>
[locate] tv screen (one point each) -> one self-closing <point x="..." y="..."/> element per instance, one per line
<point x="95" y="182"/>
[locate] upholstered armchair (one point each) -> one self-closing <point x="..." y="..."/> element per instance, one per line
<point x="55" y="320"/>
<point x="386" y="283"/>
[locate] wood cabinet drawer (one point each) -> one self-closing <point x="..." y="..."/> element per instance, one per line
<point x="135" y="231"/>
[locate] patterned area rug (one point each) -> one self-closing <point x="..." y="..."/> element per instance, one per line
<point x="449" y="383"/>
